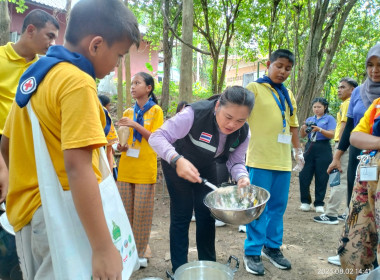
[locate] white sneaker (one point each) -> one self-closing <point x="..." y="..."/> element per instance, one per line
<point x="319" y="209"/>
<point x="334" y="260"/>
<point x="242" y="228"/>
<point x="143" y="262"/>
<point x="305" y="207"/>
<point x="219" y="223"/>
<point x="137" y="265"/>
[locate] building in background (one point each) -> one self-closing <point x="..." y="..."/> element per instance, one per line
<point x="145" y="54"/>
<point x="241" y="73"/>
<point x="53" y="7"/>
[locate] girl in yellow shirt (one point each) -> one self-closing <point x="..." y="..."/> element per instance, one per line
<point x="138" y="163"/>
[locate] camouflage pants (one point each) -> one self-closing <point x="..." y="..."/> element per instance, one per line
<point x="360" y="237"/>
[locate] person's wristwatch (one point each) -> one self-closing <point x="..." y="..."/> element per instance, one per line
<point x="320" y="130"/>
<point x="173" y="162"/>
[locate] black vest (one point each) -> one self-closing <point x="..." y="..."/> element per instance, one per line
<point x="199" y="146"/>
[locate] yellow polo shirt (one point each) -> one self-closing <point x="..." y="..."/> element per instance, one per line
<point x="141" y="170"/>
<point x="71" y="116"/>
<point x="341" y="116"/>
<point x="265" y="123"/>
<point x="12" y="66"/>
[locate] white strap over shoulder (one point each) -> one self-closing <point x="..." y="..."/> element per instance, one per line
<point x="45" y="168"/>
<point x="69" y="246"/>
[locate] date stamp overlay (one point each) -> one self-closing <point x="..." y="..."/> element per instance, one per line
<point x="339" y="270"/>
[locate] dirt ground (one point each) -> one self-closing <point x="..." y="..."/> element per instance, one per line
<point x="307" y="244"/>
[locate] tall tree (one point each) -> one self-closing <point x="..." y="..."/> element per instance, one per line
<point x="120" y="99"/>
<point x="4" y="23"/>
<point x="167" y="42"/>
<point x="125" y="63"/>
<point x="215" y="21"/>
<point x="186" y="79"/>
<point x="128" y="78"/>
<point x="5" y="19"/>
<point x="314" y="38"/>
<point x="325" y="32"/>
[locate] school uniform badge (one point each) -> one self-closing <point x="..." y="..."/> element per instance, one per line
<point x="205" y="137"/>
<point x="28" y="86"/>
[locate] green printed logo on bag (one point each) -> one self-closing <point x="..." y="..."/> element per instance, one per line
<point x="130" y="238"/>
<point x="116" y="233"/>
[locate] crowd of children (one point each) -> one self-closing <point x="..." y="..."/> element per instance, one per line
<point x="249" y="131"/>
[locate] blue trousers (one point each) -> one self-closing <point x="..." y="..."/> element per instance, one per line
<point x="268" y="228"/>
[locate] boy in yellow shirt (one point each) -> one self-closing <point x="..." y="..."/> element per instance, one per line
<point x="274" y="127"/>
<point x="71" y="117"/>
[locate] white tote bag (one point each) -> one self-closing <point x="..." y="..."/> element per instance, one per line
<point x="69" y="246"/>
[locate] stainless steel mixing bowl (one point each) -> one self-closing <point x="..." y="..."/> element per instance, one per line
<point x="237" y="206"/>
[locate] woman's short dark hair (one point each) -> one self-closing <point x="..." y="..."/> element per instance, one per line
<point x="323" y="101"/>
<point x="104" y="99"/>
<point x="237" y="95"/>
<point x="109" y="19"/>
<point x="149" y="81"/>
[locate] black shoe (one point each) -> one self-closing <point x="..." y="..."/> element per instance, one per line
<point x="342" y="217"/>
<point x="254" y="265"/>
<point x="325" y="219"/>
<point x="276" y="257"/>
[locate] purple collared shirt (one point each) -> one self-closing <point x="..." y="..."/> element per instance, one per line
<point x="356" y="108"/>
<point x="179" y="126"/>
<point x="326" y="122"/>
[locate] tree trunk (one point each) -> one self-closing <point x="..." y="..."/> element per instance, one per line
<point x="313" y="77"/>
<point x="185" y="83"/>
<point x="128" y="77"/>
<point x="120" y="91"/>
<point x="4" y="23"/>
<point x="224" y="66"/>
<point x="167" y="61"/>
<point x="272" y="24"/>
<point x="296" y="69"/>
<point x="310" y="72"/>
<point x="214" y="78"/>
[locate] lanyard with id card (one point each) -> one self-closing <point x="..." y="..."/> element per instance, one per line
<point x="284" y="138"/>
<point x="133" y="151"/>
<point x="368" y="167"/>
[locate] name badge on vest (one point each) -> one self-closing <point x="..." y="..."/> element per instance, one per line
<point x="284" y="138"/>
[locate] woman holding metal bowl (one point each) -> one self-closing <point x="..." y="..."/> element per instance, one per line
<point x="189" y="144"/>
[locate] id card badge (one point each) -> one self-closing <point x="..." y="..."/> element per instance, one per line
<point x="368" y="173"/>
<point x="133" y="151"/>
<point x="284" y="138"/>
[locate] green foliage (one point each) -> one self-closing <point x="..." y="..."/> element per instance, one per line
<point x="149" y="66"/>
<point x="254" y="34"/>
<point x="149" y="16"/>
<point x="20" y="5"/>
<point x="331" y="94"/>
<point x="200" y="92"/>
